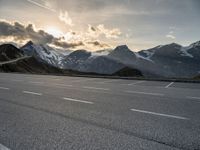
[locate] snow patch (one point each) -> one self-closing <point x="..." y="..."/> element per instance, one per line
<point x="184" y="51"/>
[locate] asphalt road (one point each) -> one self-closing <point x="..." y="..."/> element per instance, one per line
<point x="40" y="112"/>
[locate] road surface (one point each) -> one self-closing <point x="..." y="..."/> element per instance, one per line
<point x="56" y="112"/>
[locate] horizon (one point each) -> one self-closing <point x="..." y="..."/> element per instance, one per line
<point x="70" y="25"/>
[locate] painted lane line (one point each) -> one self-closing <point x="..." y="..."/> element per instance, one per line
<point x="4" y="88"/>
<point x="33" y="93"/>
<point x="109" y="81"/>
<point x="136" y="82"/>
<point x="83" y="80"/>
<point x="34" y="82"/>
<point x="64" y="85"/>
<point x="194" y="98"/>
<point x="2" y="147"/>
<point x="96" y="88"/>
<point x="76" y="100"/>
<point x="137" y="92"/>
<point x="159" y="114"/>
<point x="15" y="80"/>
<point x="56" y="79"/>
<point x="169" y="85"/>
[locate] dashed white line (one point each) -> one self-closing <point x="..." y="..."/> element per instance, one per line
<point x="35" y="82"/>
<point x="33" y="93"/>
<point x="64" y="85"/>
<point x="96" y="88"/>
<point x="83" y="80"/>
<point x="136" y="82"/>
<point x="16" y="80"/>
<point x="4" y="88"/>
<point x="2" y="147"/>
<point x="169" y="85"/>
<point x="194" y="98"/>
<point x="107" y="81"/>
<point x="56" y="79"/>
<point x="76" y="100"/>
<point x="137" y="92"/>
<point x="159" y="114"/>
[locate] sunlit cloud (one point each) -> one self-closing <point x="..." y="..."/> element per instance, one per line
<point x="102" y="30"/>
<point x="64" y="17"/>
<point x="20" y="33"/>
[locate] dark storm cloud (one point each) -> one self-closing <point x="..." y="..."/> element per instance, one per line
<point x="67" y="45"/>
<point x="98" y="44"/>
<point x="20" y="32"/>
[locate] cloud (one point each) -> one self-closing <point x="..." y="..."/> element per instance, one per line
<point x="20" y="33"/>
<point x="171" y="35"/>
<point x="98" y="44"/>
<point x="64" y="17"/>
<point x="42" y="5"/>
<point x="102" y="30"/>
<point x="68" y="45"/>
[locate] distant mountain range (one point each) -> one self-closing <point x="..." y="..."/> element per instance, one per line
<point x="168" y="61"/>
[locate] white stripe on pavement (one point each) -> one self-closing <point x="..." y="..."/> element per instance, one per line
<point x="2" y="147"/>
<point x="169" y="85"/>
<point x="76" y="100"/>
<point x="136" y="82"/>
<point x="33" y="93"/>
<point x="137" y="92"/>
<point x="159" y="114"/>
<point x="83" y="80"/>
<point x="34" y="82"/>
<point x="4" y="88"/>
<point x="16" y="80"/>
<point x="96" y="88"/>
<point x="194" y="98"/>
<point x="65" y="85"/>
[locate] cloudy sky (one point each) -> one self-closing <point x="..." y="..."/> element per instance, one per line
<point x="100" y="24"/>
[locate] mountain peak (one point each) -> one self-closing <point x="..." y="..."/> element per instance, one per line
<point x="174" y="44"/>
<point x="29" y="43"/>
<point x="195" y="44"/>
<point x="122" y="47"/>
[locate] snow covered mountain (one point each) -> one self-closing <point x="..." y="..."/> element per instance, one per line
<point x="43" y="53"/>
<point x="174" y="60"/>
<point x="171" y="60"/>
<point x="84" y="61"/>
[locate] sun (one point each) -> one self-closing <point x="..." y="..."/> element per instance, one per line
<point x="54" y="31"/>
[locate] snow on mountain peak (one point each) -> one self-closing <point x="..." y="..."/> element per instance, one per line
<point x="43" y="52"/>
<point x="195" y="44"/>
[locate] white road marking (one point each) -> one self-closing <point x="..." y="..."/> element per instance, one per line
<point x="66" y="85"/>
<point x="4" y="88"/>
<point x="16" y="80"/>
<point x="107" y="81"/>
<point x="136" y="82"/>
<point x="56" y="79"/>
<point x="2" y="147"/>
<point x="137" y="92"/>
<point x="33" y="93"/>
<point x="83" y="80"/>
<point x="194" y="98"/>
<point x="34" y="82"/>
<point x="76" y="100"/>
<point x="169" y="85"/>
<point x="159" y="114"/>
<point x="96" y="88"/>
